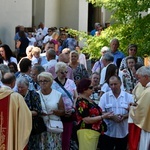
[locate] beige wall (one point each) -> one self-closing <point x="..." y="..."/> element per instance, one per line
<point x="38" y="11"/>
<point x="52" y="13"/>
<point x="69" y="12"/>
<point x="61" y="13"/>
<point x="12" y="14"/>
<point x="83" y="16"/>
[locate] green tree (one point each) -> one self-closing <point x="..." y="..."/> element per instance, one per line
<point x="129" y="27"/>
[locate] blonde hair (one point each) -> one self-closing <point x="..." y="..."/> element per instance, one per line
<point x="60" y="66"/>
<point x="36" y="50"/>
<point x="55" y="35"/>
<point x="46" y="75"/>
<point x="29" y="49"/>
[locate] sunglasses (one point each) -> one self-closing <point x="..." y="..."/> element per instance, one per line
<point x="65" y="72"/>
<point x="90" y="87"/>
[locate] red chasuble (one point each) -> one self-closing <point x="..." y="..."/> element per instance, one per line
<point x="4" y="121"/>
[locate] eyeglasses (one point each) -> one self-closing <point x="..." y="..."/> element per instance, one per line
<point x="49" y="31"/>
<point x="63" y="34"/>
<point x="90" y="87"/>
<point x="44" y="81"/>
<point x="65" y="72"/>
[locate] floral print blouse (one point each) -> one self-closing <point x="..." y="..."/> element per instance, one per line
<point x="85" y="108"/>
<point x="79" y="72"/>
<point x="129" y="80"/>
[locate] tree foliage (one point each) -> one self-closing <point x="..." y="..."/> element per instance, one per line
<point x="129" y="27"/>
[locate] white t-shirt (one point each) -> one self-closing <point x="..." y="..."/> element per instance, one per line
<point x="47" y="38"/>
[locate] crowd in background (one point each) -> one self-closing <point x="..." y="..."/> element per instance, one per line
<point x="95" y="109"/>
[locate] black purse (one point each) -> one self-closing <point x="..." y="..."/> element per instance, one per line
<point x="38" y="125"/>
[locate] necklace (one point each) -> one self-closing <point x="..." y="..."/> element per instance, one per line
<point x="26" y="94"/>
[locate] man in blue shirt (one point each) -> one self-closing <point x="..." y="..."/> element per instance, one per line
<point x="97" y="26"/>
<point x="118" y="55"/>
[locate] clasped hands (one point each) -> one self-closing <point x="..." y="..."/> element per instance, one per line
<point x="118" y="118"/>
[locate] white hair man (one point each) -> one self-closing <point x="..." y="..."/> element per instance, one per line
<point x="140" y="113"/>
<point x="98" y="66"/>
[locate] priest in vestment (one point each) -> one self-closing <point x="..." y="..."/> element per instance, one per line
<point x="141" y="112"/>
<point x="15" y="120"/>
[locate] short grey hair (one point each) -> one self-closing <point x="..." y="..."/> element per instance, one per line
<point x="22" y="80"/>
<point x="4" y="69"/>
<point x="60" y="66"/>
<point x="39" y="68"/>
<point x="51" y="53"/>
<point x="108" y="57"/>
<point x="116" y="40"/>
<point x="105" y="49"/>
<point x="143" y="71"/>
<point x="46" y="75"/>
<point x="74" y="52"/>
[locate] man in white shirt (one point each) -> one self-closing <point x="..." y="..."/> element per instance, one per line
<point x="107" y="59"/>
<point x="98" y="66"/>
<point x="51" y="58"/>
<point x="116" y="101"/>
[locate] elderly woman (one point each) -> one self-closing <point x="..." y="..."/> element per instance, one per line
<point x="79" y="71"/>
<point x="95" y="78"/>
<point x="132" y="51"/>
<point x="69" y="94"/>
<point x="33" y="102"/>
<point x="53" y="108"/>
<point x="89" y="117"/>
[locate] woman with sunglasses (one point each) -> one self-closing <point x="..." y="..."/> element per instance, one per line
<point x="69" y="94"/>
<point x="132" y="51"/>
<point x="89" y="117"/>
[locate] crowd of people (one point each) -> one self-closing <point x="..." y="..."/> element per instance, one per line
<point x="104" y="106"/>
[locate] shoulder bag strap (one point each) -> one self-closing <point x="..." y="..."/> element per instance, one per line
<point x="65" y="91"/>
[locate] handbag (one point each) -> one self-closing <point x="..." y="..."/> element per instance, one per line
<point x="55" y="126"/>
<point x="38" y="125"/>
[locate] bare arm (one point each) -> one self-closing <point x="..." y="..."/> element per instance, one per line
<point x="91" y="120"/>
<point x="61" y="109"/>
<point x="75" y="97"/>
